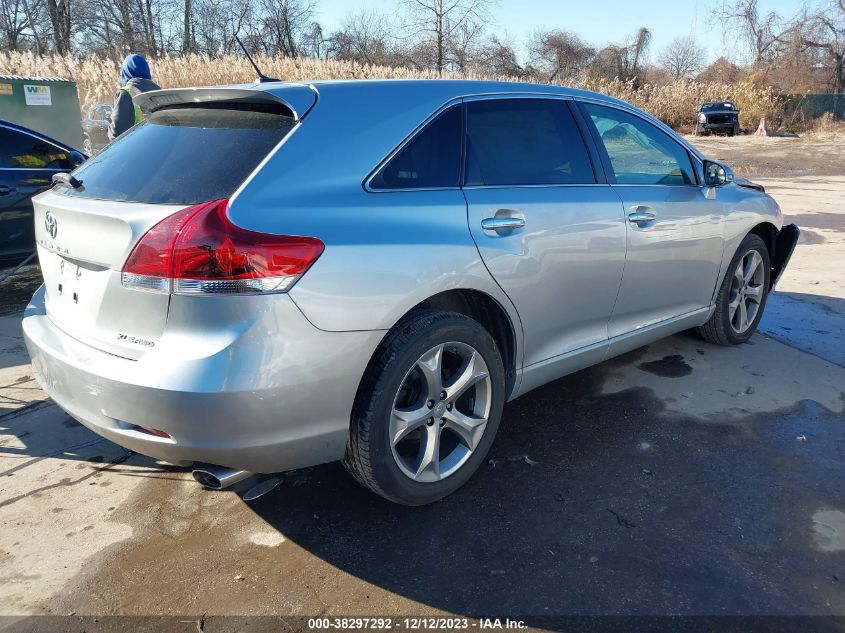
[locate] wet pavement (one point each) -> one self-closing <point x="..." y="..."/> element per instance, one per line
<point x="16" y="291"/>
<point x="590" y="503"/>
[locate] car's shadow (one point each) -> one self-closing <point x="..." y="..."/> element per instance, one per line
<point x="589" y="503"/>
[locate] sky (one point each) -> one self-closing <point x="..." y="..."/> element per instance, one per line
<point x="598" y="22"/>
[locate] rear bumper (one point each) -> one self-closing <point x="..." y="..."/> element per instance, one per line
<point x="275" y="395"/>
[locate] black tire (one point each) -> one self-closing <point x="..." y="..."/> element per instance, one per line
<point x="718" y="328"/>
<point x="369" y="457"/>
<point x="735" y="130"/>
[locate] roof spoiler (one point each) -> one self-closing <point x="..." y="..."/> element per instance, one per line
<point x="298" y="98"/>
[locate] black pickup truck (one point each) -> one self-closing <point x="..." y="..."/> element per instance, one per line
<point x="719" y="117"/>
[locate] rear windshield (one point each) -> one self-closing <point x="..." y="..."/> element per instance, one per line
<point x="183" y="155"/>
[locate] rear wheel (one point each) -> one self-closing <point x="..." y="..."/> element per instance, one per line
<point x="742" y="295"/>
<point x="427" y="410"/>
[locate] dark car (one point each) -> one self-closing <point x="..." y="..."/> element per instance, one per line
<point x="95" y="127"/>
<point x="718" y="117"/>
<point x="28" y="161"/>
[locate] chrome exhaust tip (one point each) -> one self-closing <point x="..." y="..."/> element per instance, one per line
<point x="218" y="478"/>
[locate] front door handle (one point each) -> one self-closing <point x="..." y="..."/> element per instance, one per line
<point x="641" y="216"/>
<point x="498" y="224"/>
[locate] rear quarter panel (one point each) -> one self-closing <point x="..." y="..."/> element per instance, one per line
<point x="386" y="253"/>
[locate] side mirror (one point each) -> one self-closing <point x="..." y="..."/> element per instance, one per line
<point x="716" y="174"/>
<point x="76" y="159"/>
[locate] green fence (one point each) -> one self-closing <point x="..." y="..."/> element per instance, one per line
<point x="49" y="105"/>
<point x="813" y="106"/>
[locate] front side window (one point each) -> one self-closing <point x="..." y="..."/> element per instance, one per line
<point x="431" y="160"/>
<point x="19" y="150"/>
<point x="524" y="142"/>
<point x="640" y="153"/>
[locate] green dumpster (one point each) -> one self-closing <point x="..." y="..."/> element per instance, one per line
<point x="49" y="105"/>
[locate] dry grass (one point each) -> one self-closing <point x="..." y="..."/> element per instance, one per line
<point x="826" y="125"/>
<point x="96" y="78"/>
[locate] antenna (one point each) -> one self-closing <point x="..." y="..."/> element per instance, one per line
<point x="262" y="78"/>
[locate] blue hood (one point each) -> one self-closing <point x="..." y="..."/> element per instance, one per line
<point x="134" y="66"/>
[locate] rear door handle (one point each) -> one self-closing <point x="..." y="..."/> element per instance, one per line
<point x="4" y="190"/>
<point x="498" y="224"/>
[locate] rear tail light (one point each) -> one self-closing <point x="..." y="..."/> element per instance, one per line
<point x="199" y="251"/>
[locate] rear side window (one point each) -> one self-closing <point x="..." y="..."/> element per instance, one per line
<point x="431" y="160"/>
<point x="524" y="142"/>
<point x="184" y="155"/>
<point x="640" y="153"/>
<point x="23" y="151"/>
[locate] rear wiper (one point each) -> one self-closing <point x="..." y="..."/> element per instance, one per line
<point x="66" y="180"/>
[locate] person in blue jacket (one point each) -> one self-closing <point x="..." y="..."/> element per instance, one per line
<point x="134" y="79"/>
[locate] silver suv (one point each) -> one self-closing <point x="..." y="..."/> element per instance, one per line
<point x="267" y="277"/>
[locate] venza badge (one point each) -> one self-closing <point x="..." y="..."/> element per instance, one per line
<point x="51" y="225"/>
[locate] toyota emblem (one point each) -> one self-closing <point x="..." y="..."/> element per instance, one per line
<point x="51" y="225"/>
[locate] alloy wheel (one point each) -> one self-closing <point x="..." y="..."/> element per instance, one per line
<point x="747" y="290"/>
<point x="440" y="412"/>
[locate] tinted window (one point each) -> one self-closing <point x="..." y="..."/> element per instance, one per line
<point x="20" y="150"/>
<point x="709" y="107"/>
<point x="640" y="153"/>
<point x="431" y="160"/>
<point x="524" y="142"/>
<point x="183" y="155"/>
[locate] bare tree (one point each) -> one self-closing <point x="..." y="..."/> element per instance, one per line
<point x="216" y="22"/>
<point x="188" y="34"/>
<point x="624" y="60"/>
<point x="59" y="12"/>
<point x="496" y="57"/>
<point x="762" y="32"/>
<point x="143" y="16"/>
<point x="463" y="44"/>
<point x="314" y="43"/>
<point x="13" y="24"/>
<point x="682" y="58"/>
<point x="364" y="37"/>
<point x="826" y="32"/>
<point x="284" y="24"/>
<point x="29" y="12"/>
<point x="637" y="50"/>
<point x="118" y="27"/>
<point x="721" y="71"/>
<point x="559" y="55"/>
<point x="439" y="21"/>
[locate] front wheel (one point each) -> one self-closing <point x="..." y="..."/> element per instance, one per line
<point x="427" y="410"/>
<point x="742" y="295"/>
